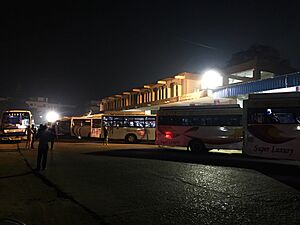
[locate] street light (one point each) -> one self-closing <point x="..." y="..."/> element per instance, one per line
<point x="52" y="116"/>
<point x="211" y="79"/>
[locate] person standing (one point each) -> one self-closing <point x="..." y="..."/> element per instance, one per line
<point x="53" y="136"/>
<point x="29" y="137"/>
<point x="33" y="129"/>
<point x="105" y="134"/>
<point x="44" y="137"/>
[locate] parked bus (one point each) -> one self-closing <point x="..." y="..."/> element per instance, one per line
<point x="130" y="128"/>
<point x="86" y="126"/>
<point x="272" y="125"/>
<point x="81" y="126"/>
<point x="14" y="124"/>
<point x="63" y="126"/>
<point x="200" y="128"/>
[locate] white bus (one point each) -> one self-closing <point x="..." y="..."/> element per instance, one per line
<point x="86" y="126"/>
<point x="14" y="124"/>
<point x="200" y="128"/>
<point x="272" y="125"/>
<point x="130" y="128"/>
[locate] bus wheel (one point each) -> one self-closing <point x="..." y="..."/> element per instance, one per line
<point x="130" y="138"/>
<point x="197" y="146"/>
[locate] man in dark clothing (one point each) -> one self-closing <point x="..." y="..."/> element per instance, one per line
<point x="53" y="135"/>
<point x="105" y="133"/>
<point x="44" y="137"/>
<point x="33" y="129"/>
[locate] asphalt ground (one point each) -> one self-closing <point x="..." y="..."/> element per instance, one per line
<point x="144" y="184"/>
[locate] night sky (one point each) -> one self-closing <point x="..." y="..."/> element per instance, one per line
<point x="78" y="51"/>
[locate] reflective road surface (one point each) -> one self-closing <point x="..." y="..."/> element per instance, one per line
<point x="142" y="184"/>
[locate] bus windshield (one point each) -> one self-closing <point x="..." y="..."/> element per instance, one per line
<point x="15" y="119"/>
<point x="274" y="116"/>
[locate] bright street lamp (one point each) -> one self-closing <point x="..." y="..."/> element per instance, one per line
<point x="52" y="116"/>
<point x="211" y="79"/>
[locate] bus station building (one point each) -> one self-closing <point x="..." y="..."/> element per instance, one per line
<point x="257" y="70"/>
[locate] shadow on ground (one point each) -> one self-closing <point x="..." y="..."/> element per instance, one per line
<point x="288" y="174"/>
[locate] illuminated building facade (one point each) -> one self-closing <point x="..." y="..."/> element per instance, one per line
<point x="182" y="88"/>
<point x="255" y="64"/>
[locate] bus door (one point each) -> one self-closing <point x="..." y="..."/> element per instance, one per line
<point x="96" y="128"/>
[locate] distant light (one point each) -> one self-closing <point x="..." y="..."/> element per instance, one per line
<point x="180" y="77"/>
<point x="211" y="79"/>
<point x="161" y="82"/>
<point x="52" y="116"/>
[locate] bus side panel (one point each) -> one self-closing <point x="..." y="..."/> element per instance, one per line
<point x="144" y="134"/>
<point x="81" y="131"/>
<point x="212" y="136"/>
<point x="149" y="134"/>
<point x="272" y="141"/>
<point x="171" y="135"/>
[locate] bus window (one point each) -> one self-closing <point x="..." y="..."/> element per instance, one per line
<point x="117" y="122"/>
<point x="272" y="116"/>
<point x="96" y="123"/>
<point x="81" y="122"/>
<point x="214" y="120"/>
<point x="108" y="121"/>
<point x="139" y="121"/>
<point x="134" y="121"/>
<point x="150" y="122"/>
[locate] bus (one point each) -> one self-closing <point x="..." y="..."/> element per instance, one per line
<point x="14" y="124"/>
<point x="86" y="126"/>
<point x="130" y="128"/>
<point x="63" y="127"/>
<point x="200" y="128"/>
<point x="272" y="125"/>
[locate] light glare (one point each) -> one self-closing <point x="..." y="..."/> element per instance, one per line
<point x="52" y="116"/>
<point x="211" y="79"/>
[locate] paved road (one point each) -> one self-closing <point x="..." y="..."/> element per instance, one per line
<point x="141" y="184"/>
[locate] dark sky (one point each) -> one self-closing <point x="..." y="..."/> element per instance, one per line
<point x="77" y="51"/>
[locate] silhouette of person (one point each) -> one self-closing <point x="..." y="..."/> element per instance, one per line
<point x="53" y="136"/>
<point x="33" y="129"/>
<point x="44" y="137"/>
<point x="105" y="134"/>
<point x="29" y="137"/>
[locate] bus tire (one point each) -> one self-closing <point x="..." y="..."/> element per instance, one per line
<point x="130" y="139"/>
<point x="197" y="146"/>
